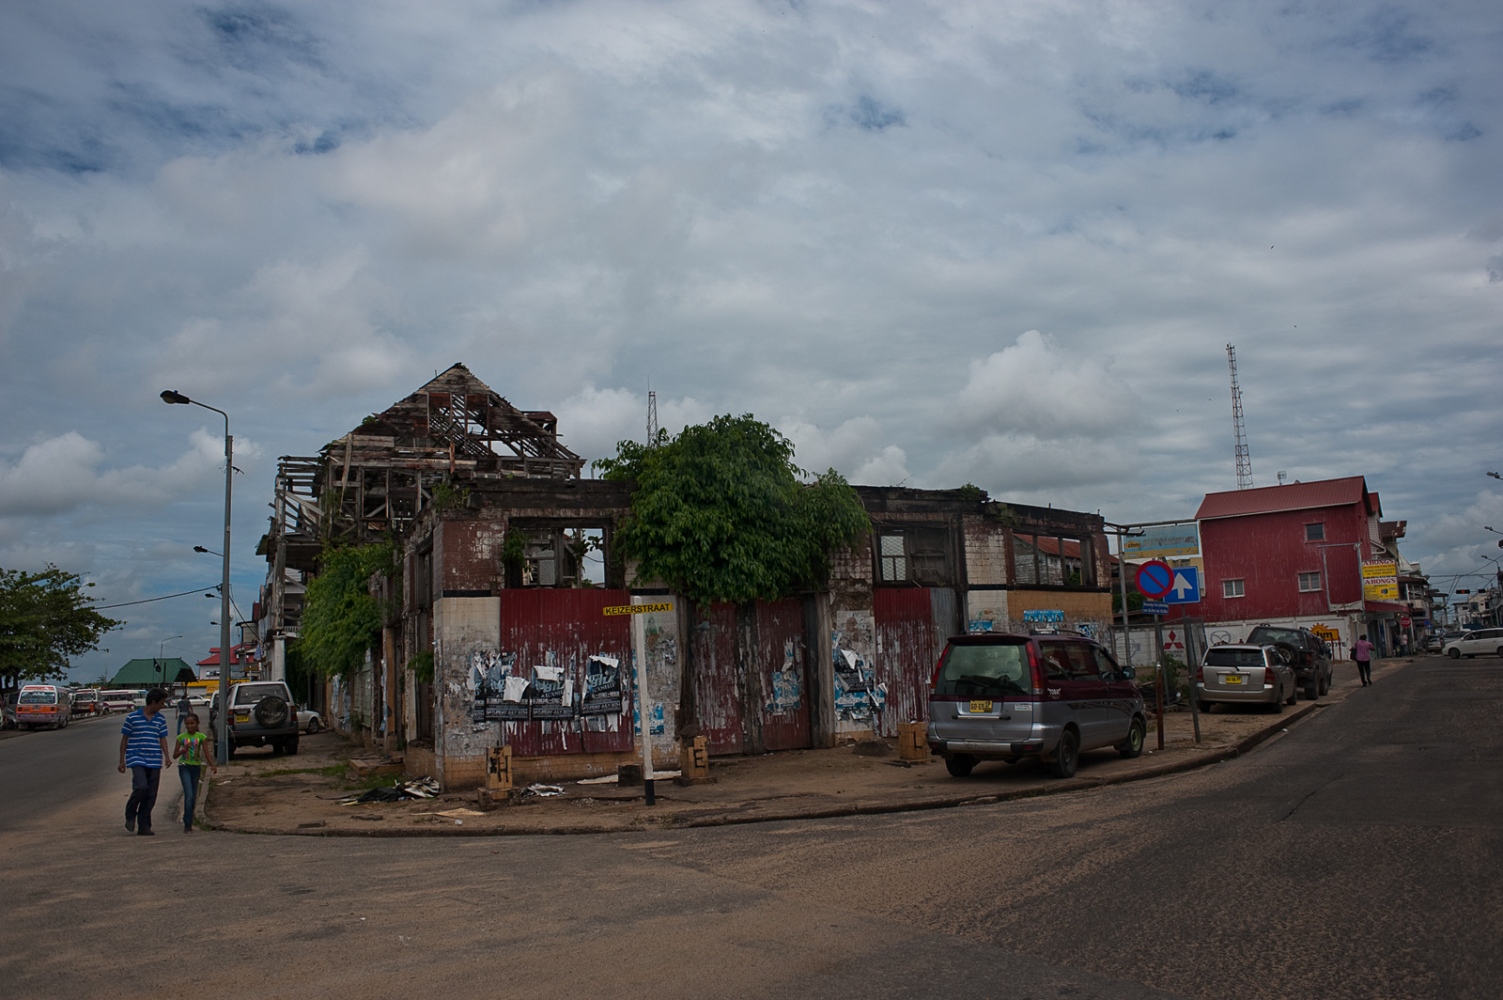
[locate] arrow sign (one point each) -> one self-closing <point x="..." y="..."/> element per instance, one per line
<point x="1155" y="579"/>
<point x="1185" y="588"/>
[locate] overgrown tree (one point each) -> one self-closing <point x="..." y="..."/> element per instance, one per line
<point x="45" y="618"/>
<point x="342" y="619"/>
<point x="721" y="513"/>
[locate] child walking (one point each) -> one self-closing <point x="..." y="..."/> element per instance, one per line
<point x="192" y="753"/>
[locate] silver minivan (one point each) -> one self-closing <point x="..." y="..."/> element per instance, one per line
<point x="1485" y="641"/>
<point x="1244" y="674"/>
<point x="1041" y="697"/>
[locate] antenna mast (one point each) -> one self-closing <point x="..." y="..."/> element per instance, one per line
<point x="652" y="418"/>
<point x="1244" y="460"/>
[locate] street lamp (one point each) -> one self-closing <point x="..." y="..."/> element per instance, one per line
<point x="174" y="397"/>
<point x="162" y="667"/>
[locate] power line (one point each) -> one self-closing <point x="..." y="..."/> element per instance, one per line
<point x="148" y="600"/>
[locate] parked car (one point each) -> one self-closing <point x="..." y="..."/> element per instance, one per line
<point x="1485" y="641"/>
<point x="1040" y="697"/>
<point x="308" y="720"/>
<point x="1306" y="653"/>
<point x="1244" y="674"/>
<point x="261" y="714"/>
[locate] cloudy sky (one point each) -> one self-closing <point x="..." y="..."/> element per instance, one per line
<point x="999" y="243"/>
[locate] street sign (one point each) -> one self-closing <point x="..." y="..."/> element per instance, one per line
<point x="1155" y="608"/>
<point x="1155" y="579"/>
<point x="635" y="609"/>
<point x="1186" y="586"/>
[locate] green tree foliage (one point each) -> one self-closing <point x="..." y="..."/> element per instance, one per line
<point x="45" y="618"/>
<point x="720" y="512"/>
<point x="341" y="618"/>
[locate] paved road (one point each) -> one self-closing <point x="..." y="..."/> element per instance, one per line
<point x="1356" y="856"/>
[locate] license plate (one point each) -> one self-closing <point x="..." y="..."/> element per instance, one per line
<point x="242" y="716"/>
<point x="980" y="706"/>
<point x="1233" y="678"/>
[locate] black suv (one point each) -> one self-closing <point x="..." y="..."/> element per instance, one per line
<point x="261" y="714"/>
<point x="1304" y="651"/>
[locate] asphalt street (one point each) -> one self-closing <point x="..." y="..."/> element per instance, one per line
<point x="1355" y="856"/>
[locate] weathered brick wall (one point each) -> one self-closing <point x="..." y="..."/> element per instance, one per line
<point x="985" y="546"/>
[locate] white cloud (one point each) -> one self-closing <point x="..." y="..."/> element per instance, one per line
<point x="62" y="473"/>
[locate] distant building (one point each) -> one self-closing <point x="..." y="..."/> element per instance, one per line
<point x="1309" y="554"/>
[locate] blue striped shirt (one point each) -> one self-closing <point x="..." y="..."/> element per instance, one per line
<point x="144" y="746"/>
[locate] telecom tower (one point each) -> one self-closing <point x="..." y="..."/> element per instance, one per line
<point x="1244" y="460"/>
<point x="652" y="418"/>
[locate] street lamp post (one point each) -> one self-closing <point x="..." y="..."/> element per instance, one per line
<point x="171" y="396"/>
<point x="161" y="655"/>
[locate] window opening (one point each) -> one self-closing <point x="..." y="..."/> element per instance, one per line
<point x="1232" y="588"/>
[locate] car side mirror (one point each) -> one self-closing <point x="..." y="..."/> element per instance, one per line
<point x="1128" y="673"/>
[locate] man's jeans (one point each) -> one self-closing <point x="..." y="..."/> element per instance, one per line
<point x="143" y="796"/>
<point x="191" y="775"/>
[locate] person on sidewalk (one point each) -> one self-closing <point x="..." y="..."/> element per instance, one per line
<point x="143" y="749"/>
<point x="184" y="709"/>
<point x="191" y="754"/>
<point x="1363" y="654"/>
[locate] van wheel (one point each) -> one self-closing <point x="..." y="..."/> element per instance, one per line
<point x="1066" y="755"/>
<point x="960" y="765"/>
<point x="1133" y="746"/>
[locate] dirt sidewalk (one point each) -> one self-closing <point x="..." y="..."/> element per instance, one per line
<point x="260" y="793"/>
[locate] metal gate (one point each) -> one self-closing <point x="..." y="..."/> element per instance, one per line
<point x="561" y="629"/>
<point x="778" y="677"/>
<point x="912" y="624"/>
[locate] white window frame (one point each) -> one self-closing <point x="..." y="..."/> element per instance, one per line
<point x="1306" y="578"/>
<point x="1231" y="589"/>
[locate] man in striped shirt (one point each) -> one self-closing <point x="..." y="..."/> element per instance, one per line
<point x="143" y="749"/>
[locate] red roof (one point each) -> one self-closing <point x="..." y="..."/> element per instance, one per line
<point x="1290" y="496"/>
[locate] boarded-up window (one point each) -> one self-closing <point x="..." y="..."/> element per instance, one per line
<point x="919" y="555"/>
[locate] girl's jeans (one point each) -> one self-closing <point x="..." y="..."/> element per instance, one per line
<point x="190" y="776"/>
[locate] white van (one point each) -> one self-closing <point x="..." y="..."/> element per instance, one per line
<point x="43" y="705"/>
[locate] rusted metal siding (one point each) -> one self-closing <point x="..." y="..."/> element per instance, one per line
<point x="907" y="640"/>
<point x="717" y="694"/>
<point x="782" y="669"/>
<point x="777" y="679"/>
<point x="564" y="628"/>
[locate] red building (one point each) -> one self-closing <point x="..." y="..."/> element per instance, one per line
<point x="1292" y="554"/>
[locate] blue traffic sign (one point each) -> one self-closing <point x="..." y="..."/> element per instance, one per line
<point x="1185" y="587"/>
<point x="1155" y="579"/>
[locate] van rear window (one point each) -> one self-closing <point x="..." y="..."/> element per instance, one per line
<point x="996" y="669"/>
<point x="1234" y="657"/>
<point x="38" y="698"/>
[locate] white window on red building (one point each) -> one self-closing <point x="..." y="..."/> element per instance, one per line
<point x="1232" y="588"/>
<point x="1309" y="582"/>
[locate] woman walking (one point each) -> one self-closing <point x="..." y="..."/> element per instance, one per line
<point x="192" y="754"/>
<point x="1363" y="654"/>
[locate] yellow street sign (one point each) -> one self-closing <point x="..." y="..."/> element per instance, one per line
<point x="635" y="609"/>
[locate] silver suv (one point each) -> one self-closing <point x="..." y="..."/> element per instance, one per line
<point x="261" y="714"/>
<point x="1245" y="674"/>
<point x="1041" y="697"/>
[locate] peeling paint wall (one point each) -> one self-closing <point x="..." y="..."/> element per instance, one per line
<point x="466" y="629"/>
